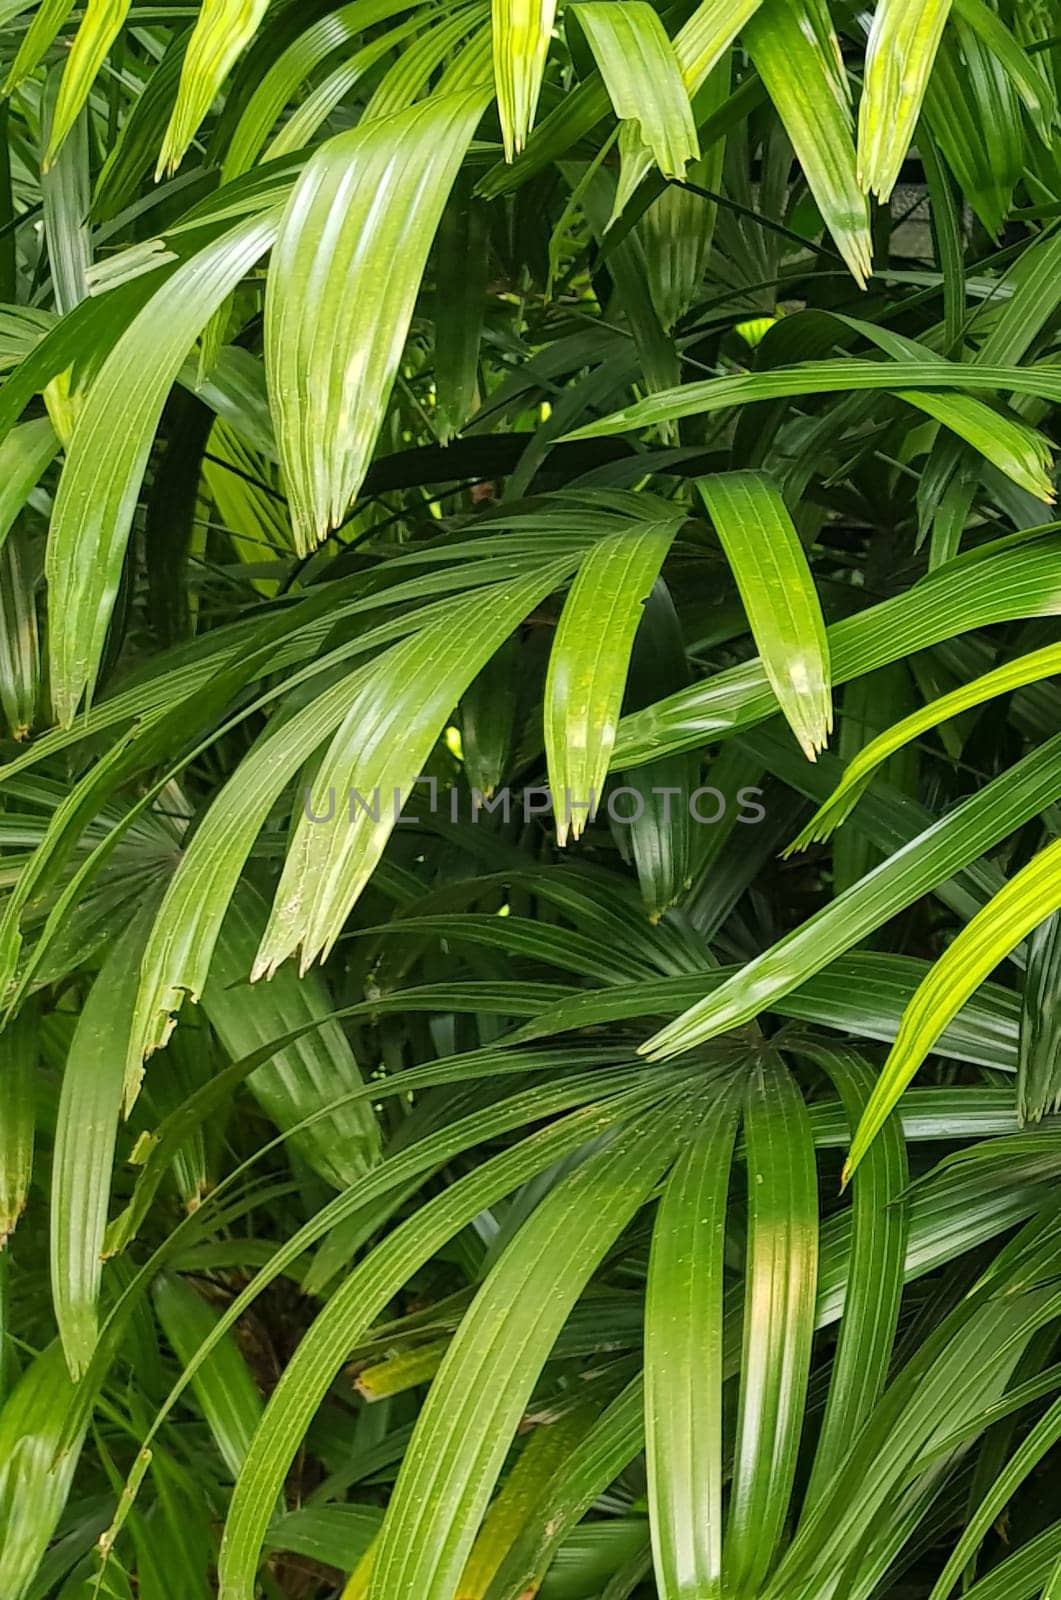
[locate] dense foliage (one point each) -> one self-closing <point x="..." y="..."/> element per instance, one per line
<point x="528" y="672"/>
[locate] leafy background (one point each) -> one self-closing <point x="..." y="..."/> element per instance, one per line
<point x="462" y="403"/>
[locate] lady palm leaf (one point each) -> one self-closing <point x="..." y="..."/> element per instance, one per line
<point x="342" y="286"/>
<point x="899" y="56"/>
<point x="18" y="1124"/>
<point x="779" y="1302"/>
<point x="1028" y="899"/>
<point x="1012" y="798"/>
<point x="102" y="22"/>
<point x="777" y="589"/>
<point x="223" y="29"/>
<point x="440" y="469"/>
<point x="430" y="1533"/>
<point x="799" y="72"/>
<point x="684" y="1433"/>
<point x="328" y="865"/>
<point x="642" y="76"/>
<point x="588" y="666"/>
<point x="1038" y="1073"/>
<point x="1027" y="669"/>
<point x="34" y="1486"/>
<point x="521" y="30"/>
<point x="85" y="1137"/>
<point x="96" y="499"/>
<point x="44" y="25"/>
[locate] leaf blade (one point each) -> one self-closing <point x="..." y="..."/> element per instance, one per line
<point x="776" y="586"/>
<point x="589" y="663"/>
<point x="351" y="250"/>
<point x="1027" y="899"/>
<point x="902" y="46"/>
<point x="779" y="1314"/>
<point x="684" y="1362"/>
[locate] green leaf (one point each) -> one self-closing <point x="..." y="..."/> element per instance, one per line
<point x="177" y="959"/>
<point x="985" y="1032"/>
<point x="292" y="68"/>
<point x="661" y="836"/>
<point x="86" y="1131"/>
<point x="969" y="89"/>
<point x="677" y="230"/>
<point x="1039" y="1065"/>
<point x="521" y="33"/>
<point x="25" y="454"/>
<point x="1043" y="1436"/>
<point x="324" y="1175"/>
<point x="20" y="661"/>
<point x="821" y="377"/>
<point x="394" y="716"/>
<point x="965" y="1361"/>
<point x="545" y="1452"/>
<point x="396" y="92"/>
<point x="701" y="42"/>
<point x="1020" y="66"/>
<point x="222" y="32"/>
<point x="779" y="1315"/>
<point x="18" y="1118"/>
<point x="335" y="1535"/>
<point x="64" y="198"/>
<point x="859" y="773"/>
<point x="97" y="496"/>
<point x="100" y="26"/>
<point x="899" y="56"/>
<point x="875" y="1274"/>
<point x="488" y="720"/>
<point x="776" y="586"/>
<point x="494" y="1359"/>
<point x="1027" y="899"/>
<point x="800" y="77"/>
<point x="363" y="1294"/>
<point x="225" y="1391"/>
<point x="312" y="1073"/>
<point x="133" y="152"/>
<point x="684" y="1361"/>
<point x="44" y="28"/>
<point x="589" y="663"/>
<point x="345" y="273"/>
<point x="994" y="584"/>
<point x="34" y="1485"/>
<point x="461" y="269"/>
<point x="929" y="859"/>
<point x="1022" y="1575"/>
<point x="643" y="79"/>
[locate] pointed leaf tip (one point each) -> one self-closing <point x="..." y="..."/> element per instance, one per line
<point x="345" y="273"/>
<point x="775" y="583"/>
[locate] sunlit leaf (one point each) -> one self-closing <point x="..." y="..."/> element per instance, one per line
<point x="343" y="282"/>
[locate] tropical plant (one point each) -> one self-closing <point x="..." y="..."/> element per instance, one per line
<point x="528" y="677"/>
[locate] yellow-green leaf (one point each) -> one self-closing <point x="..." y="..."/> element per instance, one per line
<point x="589" y="663"/>
<point x="345" y="273"/>
<point x="775" y="583"/>
<point x="643" y="79"/>
<point x="1027" y="899"/>
<point x="522" y="30"/>
<point x="900" y="54"/>
<point x="1011" y="675"/>
<point x="800" y="76"/>
<point x="41" y="34"/>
